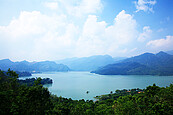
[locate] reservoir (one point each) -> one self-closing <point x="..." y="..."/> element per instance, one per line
<point x="75" y="84"/>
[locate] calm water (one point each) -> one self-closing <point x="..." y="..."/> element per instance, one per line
<point x="75" y="84"/>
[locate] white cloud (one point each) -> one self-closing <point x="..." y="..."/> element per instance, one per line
<point x="51" y="5"/>
<point x="92" y="27"/>
<point x="33" y="23"/>
<point x="134" y="49"/>
<point x="145" y="5"/>
<point x="92" y="40"/>
<point x="124" y="28"/>
<point x="37" y="36"/>
<point x="145" y="35"/>
<point x="89" y="6"/>
<point x="82" y="7"/>
<point x="98" y="38"/>
<point x="161" y="44"/>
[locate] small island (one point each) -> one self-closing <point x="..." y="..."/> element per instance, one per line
<point x="32" y="81"/>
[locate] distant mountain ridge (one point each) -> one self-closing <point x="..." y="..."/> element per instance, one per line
<point x="170" y="52"/>
<point x="88" y="63"/>
<point x="145" y="64"/>
<point x="22" y="66"/>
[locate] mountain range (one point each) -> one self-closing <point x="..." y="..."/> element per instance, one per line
<point x="145" y="64"/>
<point x="89" y="63"/>
<point x="43" y="66"/>
<point x="170" y="52"/>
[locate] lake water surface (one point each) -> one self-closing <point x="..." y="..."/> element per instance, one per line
<point x="75" y="84"/>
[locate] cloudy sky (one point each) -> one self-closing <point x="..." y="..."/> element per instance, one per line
<point x="36" y="30"/>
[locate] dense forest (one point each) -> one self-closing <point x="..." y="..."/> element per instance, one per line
<point x="18" y="98"/>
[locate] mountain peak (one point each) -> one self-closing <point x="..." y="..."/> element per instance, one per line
<point x="144" y="55"/>
<point x="147" y="53"/>
<point x="170" y="52"/>
<point x="24" y="61"/>
<point x="6" y="60"/>
<point x="144" y="64"/>
<point x="161" y="53"/>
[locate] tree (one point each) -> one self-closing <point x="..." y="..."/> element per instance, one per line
<point x="22" y="99"/>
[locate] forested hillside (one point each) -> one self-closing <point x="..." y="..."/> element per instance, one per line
<point x="145" y="64"/>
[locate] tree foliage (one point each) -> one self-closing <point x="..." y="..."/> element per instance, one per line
<point x="21" y="99"/>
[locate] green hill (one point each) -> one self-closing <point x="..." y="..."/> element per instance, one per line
<point x="145" y="64"/>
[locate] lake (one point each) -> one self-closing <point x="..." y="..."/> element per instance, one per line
<point x="75" y="84"/>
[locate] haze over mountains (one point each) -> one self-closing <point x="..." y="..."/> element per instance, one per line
<point x="70" y="64"/>
<point x="43" y="66"/>
<point x="89" y="63"/>
<point x="170" y="52"/>
<point x="145" y="64"/>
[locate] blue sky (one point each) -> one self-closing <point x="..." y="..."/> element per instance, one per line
<point x="36" y="30"/>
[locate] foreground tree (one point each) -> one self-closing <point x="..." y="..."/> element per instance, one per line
<point x="21" y="99"/>
<point x="155" y="100"/>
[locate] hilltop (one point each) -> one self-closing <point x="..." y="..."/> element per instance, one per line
<point x="144" y="64"/>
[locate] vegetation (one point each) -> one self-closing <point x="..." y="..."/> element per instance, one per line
<point x="22" y="99"/>
<point x="146" y="64"/>
<point x="31" y="81"/>
<point x="119" y="93"/>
